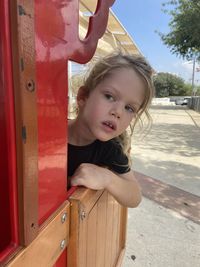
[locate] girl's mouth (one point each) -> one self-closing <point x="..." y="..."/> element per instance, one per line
<point x="111" y="125"/>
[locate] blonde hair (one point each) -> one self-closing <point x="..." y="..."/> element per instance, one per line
<point x="104" y="67"/>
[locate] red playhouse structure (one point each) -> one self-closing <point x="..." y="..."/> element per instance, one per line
<point x="43" y="224"/>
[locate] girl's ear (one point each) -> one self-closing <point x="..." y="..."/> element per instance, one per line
<point x="82" y="96"/>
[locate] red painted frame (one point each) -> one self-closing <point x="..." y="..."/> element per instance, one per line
<point x="8" y="179"/>
<point x="57" y="41"/>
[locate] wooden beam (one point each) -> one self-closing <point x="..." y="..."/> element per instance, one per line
<point x="23" y="50"/>
<point x="49" y="244"/>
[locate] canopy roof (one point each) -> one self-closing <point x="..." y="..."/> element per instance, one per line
<point x="115" y="37"/>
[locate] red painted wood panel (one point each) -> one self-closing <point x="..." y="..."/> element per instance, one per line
<point x="51" y="77"/>
<point x="57" y="40"/>
<point x="62" y="261"/>
<point x="8" y="184"/>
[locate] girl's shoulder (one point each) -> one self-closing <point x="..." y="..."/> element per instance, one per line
<point x="114" y="156"/>
<point x="112" y="145"/>
<point x="114" y="142"/>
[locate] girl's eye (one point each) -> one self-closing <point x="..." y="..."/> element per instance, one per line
<point x="130" y="109"/>
<point x="109" y="97"/>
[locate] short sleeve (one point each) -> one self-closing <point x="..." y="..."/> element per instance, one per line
<point x="115" y="159"/>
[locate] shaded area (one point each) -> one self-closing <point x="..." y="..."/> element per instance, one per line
<point x="165" y="107"/>
<point x="183" y="176"/>
<point x="171" y="150"/>
<point x="186" y="204"/>
<point x="176" y="139"/>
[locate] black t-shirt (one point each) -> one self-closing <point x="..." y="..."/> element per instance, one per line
<point x="108" y="154"/>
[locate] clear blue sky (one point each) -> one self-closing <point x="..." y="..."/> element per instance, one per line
<point x="141" y="18"/>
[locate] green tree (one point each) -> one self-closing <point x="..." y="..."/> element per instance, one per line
<point x="188" y="89"/>
<point x="184" y="36"/>
<point x="198" y="91"/>
<point x="167" y="84"/>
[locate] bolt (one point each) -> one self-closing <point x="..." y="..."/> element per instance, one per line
<point x="83" y="215"/>
<point x="62" y="244"/>
<point x="64" y="217"/>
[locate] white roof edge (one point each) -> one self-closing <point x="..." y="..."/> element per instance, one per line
<point x="115" y="17"/>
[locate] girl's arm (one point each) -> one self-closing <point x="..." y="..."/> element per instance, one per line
<point x="123" y="187"/>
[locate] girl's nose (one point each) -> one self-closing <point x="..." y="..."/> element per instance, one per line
<point x="116" y="111"/>
<point x="115" y="114"/>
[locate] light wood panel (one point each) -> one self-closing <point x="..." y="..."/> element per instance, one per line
<point x="91" y="238"/>
<point x="97" y="230"/>
<point x="101" y="229"/>
<point x="48" y="246"/>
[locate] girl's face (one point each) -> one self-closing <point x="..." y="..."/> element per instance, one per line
<point x="112" y="105"/>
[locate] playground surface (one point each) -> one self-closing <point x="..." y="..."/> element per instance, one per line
<point x="165" y="229"/>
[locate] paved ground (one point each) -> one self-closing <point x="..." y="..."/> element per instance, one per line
<point x="164" y="231"/>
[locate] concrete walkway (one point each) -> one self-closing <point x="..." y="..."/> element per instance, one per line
<point x="164" y="231"/>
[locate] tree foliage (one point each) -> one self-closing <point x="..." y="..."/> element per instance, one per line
<point x="167" y="84"/>
<point x="184" y="36"/>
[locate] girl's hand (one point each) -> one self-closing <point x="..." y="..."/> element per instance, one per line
<point x="124" y="187"/>
<point x="91" y="176"/>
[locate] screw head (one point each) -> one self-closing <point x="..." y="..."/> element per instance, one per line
<point x="64" y="217"/>
<point x="62" y="244"/>
<point x="83" y="214"/>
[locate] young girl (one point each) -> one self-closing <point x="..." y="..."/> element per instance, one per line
<point x="115" y="94"/>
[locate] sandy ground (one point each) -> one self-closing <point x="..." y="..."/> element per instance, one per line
<point x="165" y="229"/>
